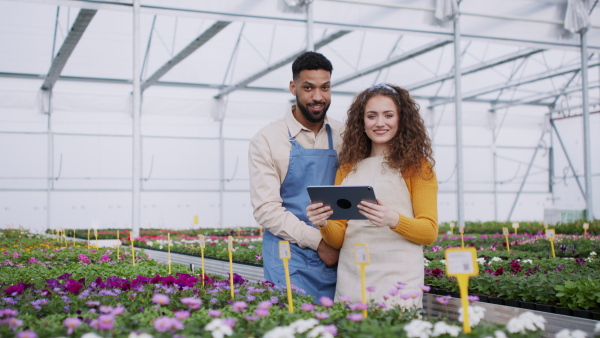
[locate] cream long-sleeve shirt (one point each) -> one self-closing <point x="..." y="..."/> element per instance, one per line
<point x="268" y="159"/>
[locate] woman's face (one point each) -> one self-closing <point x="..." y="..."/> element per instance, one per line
<point x="381" y="123"/>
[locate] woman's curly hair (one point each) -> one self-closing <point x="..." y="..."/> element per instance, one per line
<point x="407" y="149"/>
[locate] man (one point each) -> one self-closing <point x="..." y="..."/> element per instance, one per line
<point x="285" y="157"/>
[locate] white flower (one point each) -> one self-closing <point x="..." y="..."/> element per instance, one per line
<point x="597" y="328"/>
<point x="280" y="332"/>
<point x="418" y="329"/>
<point x="481" y="260"/>
<point x="219" y="330"/>
<point x="319" y="331"/>
<point x="443" y="261"/>
<point x="499" y="334"/>
<point x="496" y="259"/>
<point x="593" y="253"/>
<point x="565" y="333"/>
<point x="524" y="322"/>
<point x="426" y="262"/>
<point x="528" y="261"/>
<point x="303" y="325"/>
<point x="441" y="328"/>
<point x="141" y="335"/>
<point x="90" y="335"/>
<point x="476" y="314"/>
<point x="149" y="243"/>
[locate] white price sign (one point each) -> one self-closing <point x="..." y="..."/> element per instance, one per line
<point x="515" y="225"/>
<point x="452" y="225"/>
<point x="230" y="243"/>
<point x="505" y="231"/>
<point x="284" y="250"/>
<point x="550" y="233"/>
<point x="461" y="262"/>
<point x="461" y="229"/>
<point x="361" y="254"/>
<point x="586" y="226"/>
<point x="202" y="242"/>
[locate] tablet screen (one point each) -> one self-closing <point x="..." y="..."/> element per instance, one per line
<point x="343" y="199"/>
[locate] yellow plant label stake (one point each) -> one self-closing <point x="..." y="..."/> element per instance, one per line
<point x="202" y="245"/>
<point x="196" y="220"/>
<point x="285" y="254"/>
<point x="169" y="251"/>
<point x="452" y="224"/>
<point x="96" y="235"/>
<point x="550" y="234"/>
<point x="230" y="249"/>
<point x="462" y="264"/>
<point x="118" y="245"/>
<point x="586" y="226"/>
<point x="515" y="226"/>
<point x="505" y="233"/>
<point x="545" y="225"/>
<point x="132" y="250"/>
<point x="73" y="237"/>
<point x="461" y="230"/>
<point x="88" y="244"/>
<point x="361" y="258"/>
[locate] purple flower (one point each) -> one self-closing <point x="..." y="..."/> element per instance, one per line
<point x="229" y="322"/>
<point x="274" y="300"/>
<point x="105" y="258"/>
<point x="355" y="317"/>
<point x="73" y="286"/>
<point x="27" y="334"/>
<point x="345" y="299"/>
<point x="163" y="324"/>
<point x="8" y="313"/>
<point x="106" y="309"/>
<point x="214" y="313"/>
<point x="16" y="254"/>
<point x="71" y="324"/>
<point x="92" y="303"/>
<point x="161" y="299"/>
<point x="261" y="312"/>
<point x="181" y="315"/>
<point x="358" y="306"/>
<point x="370" y="289"/>
<point x="239" y="306"/>
<point x="399" y="285"/>
<point x="443" y="300"/>
<point x="251" y="318"/>
<point x="191" y="302"/>
<point x="265" y="305"/>
<point x="473" y="298"/>
<point x="393" y="292"/>
<point x="331" y="329"/>
<point x="326" y="301"/>
<point x="83" y="259"/>
<point x="104" y="322"/>
<point x="307" y="307"/>
<point x="214" y="301"/>
<point x="321" y="315"/>
<point x="382" y="305"/>
<point x="258" y="257"/>
<point x="250" y="298"/>
<point x="425" y="288"/>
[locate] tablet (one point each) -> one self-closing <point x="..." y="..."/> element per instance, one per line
<point x="343" y="199"/>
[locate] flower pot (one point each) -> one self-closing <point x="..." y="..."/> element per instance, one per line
<point x="496" y="300"/>
<point x="582" y="313"/>
<point x="455" y="294"/>
<point x="561" y="310"/>
<point x="527" y="305"/>
<point x="596" y="315"/>
<point x="483" y="298"/>
<point x="512" y="302"/>
<point x="544" y="307"/>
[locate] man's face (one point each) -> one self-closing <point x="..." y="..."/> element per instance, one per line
<point x="313" y="95"/>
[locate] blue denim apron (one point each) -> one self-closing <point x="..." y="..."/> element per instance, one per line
<point x="307" y="270"/>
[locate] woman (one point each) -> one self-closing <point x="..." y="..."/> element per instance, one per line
<point x="385" y="145"/>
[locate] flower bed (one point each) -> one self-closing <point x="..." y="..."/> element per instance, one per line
<point x="105" y="296"/>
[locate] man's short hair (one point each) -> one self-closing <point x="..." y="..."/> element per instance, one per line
<point x="310" y="61"/>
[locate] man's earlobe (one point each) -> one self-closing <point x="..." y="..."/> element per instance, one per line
<point x="293" y="88"/>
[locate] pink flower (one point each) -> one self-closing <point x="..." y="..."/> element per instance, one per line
<point x="307" y="307"/>
<point x="258" y="257"/>
<point x="161" y="299"/>
<point x="106" y="322"/>
<point x="399" y="285"/>
<point x="163" y="324"/>
<point x="265" y="305"/>
<point x="106" y="309"/>
<point x="251" y="318"/>
<point x="355" y="317"/>
<point x="370" y="289"/>
<point x="16" y="254"/>
<point x="321" y="315"/>
<point x="105" y="258"/>
<point x="443" y="300"/>
<point x="214" y="313"/>
<point x="71" y="324"/>
<point x="326" y="301"/>
<point x="358" y="306"/>
<point x="27" y="334"/>
<point x="14" y="323"/>
<point x="191" y="302"/>
<point x="261" y="312"/>
<point x="393" y="292"/>
<point x="83" y="259"/>
<point x="425" y="288"/>
<point x="239" y="306"/>
<point x="331" y="329"/>
<point x="182" y="315"/>
<point x="119" y="310"/>
<point x="345" y="299"/>
<point x="473" y="298"/>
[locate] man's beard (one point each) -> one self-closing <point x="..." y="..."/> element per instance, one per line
<point x="311" y="117"/>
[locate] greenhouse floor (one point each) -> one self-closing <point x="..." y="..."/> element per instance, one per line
<point x="493" y="313"/>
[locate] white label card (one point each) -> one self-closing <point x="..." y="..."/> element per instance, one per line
<point x="515" y="225"/>
<point x="461" y="228"/>
<point x="230" y="243"/>
<point x="505" y="231"/>
<point x="586" y="226"/>
<point x="362" y="253"/>
<point x="202" y="242"/>
<point x="460" y="262"/>
<point x="550" y="233"/>
<point x="452" y="224"/>
<point x="284" y="249"/>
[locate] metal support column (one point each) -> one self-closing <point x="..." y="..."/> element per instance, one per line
<point x="136" y="114"/>
<point x="458" y="121"/>
<point x="50" y="163"/>
<point x="562" y="145"/>
<point x="587" y="157"/>
<point x="310" y="41"/>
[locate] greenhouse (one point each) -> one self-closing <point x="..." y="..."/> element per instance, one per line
<point x="130" y="122"/>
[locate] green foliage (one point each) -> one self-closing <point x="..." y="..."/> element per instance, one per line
<point x="583" y="293"/>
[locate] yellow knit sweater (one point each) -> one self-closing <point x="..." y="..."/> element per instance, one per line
<point x="422" y="229"/>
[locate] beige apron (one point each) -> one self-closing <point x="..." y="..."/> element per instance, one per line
<point x="392" y="257"/>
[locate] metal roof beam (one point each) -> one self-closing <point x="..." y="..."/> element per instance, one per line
<point x="279" y="64"/>
<point x="185" y="52"/>
<point x="476" y="68"/>
<point x="84" y="18"/>
<point x="394" y="60"/>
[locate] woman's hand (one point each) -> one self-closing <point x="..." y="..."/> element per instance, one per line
<point x="318" y="213"/>
<point x="379" y="214"/>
